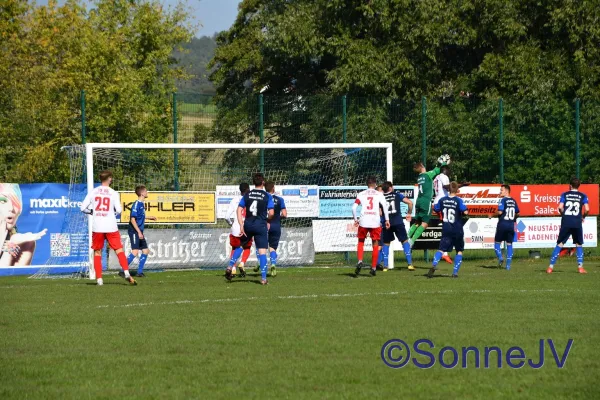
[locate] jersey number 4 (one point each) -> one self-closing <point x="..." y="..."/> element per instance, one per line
<point x="253" y="208"/>
<point x="102" y="203"/>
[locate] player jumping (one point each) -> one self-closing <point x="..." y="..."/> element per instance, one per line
<point x="452" y="209"/>
<point x="370" y="200"/>
<point x="574" y="207"/>
<point x="103" y="202"/>
<point x="423" y="206"/>
<point x="258" y="206"/>
<point x="136" y="230"/>
<point x="394" y="201"/>
<point x="275" y="225"/>
<point x="235" y="235"/>
<point x="508" y="211"/>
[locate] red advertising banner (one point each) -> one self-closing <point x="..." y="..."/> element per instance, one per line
<point x="542" y="200"/>
<point x="533" y="200"/>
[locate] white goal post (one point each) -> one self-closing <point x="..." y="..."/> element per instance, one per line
<point x="92" y="148"/>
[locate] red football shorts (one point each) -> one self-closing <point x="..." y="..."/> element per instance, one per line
<point x="375" y="233"/>
<point x="114" y="240"/>
<point x="236" y="241"/>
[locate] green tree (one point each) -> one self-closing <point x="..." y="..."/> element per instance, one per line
<point x="120" y="52"/>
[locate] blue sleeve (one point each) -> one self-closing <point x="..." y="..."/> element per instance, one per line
<point x="134" y="209"/>
<point x="562" y="198"/>
<point x="517" y="208"/>
<point x="243" y="202"/>
<point x="282" y="203"/>
<point x="436" y="207"/>
<point x="270" y="204"/>
<point x="501" y="205"/>
<point x="401" y="196"/>
<point x="585" y="199"/>
<point x="463" y="207"/>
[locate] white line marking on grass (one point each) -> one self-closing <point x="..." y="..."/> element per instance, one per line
<point x="336" y="295"/>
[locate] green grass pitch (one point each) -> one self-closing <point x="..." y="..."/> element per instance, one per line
<point x="310" y="334"/>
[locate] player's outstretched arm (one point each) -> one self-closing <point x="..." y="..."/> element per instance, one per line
<point x="240" y="218"/>
<point x="409" y="203"/>
<point x="85" y="205"/>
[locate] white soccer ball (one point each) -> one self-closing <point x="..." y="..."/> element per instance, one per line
<point x="444" y="159"/>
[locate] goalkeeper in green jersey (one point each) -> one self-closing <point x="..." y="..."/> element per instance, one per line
<point x="423" y="205"/>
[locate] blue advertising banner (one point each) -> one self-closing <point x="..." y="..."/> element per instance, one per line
<point x="336" y="201"/>
<point x="31" y="226"/>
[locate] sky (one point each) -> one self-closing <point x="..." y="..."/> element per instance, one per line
<point x="212" y="15"/>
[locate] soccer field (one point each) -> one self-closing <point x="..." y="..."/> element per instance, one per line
<point x="311" y="333"/>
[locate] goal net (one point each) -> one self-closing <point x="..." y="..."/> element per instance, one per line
<point x="190" y="187"/>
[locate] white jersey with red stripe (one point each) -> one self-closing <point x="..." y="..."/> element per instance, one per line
<point x="370" y="200"/>
<point x="231" y="216"/>
<point x="105" y="203"/>
<point x="438" y="185"/>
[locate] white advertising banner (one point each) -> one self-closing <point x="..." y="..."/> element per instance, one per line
<point x="530" y="232"/>
<point x="301" y="201"/>
<point x="542" y="232"/>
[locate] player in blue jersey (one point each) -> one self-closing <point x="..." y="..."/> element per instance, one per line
<point x="397" y="228"/>
<point x="136" y="230"/>
<point x="574" y="207"/>
<point x="452" y="209"/>
<point x="258" y="205"/>
<point x="508" y="211"/>
<point x="279" y="212"/>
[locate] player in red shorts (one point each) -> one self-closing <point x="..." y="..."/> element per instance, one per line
<point x="369" y="221"/>
<point x="103" y="203"/>
<point x="235" y="237"/>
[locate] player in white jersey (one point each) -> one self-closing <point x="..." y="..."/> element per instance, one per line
<point x="441" y="185"/>
<point x="235" y="234"/>
<point x="369" y="221"/>
<point x="103" y="203"/>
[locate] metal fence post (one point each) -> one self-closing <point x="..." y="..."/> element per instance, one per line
<point x="175" y="140"/>
<point x="83" y="116"/>
<point x="424" y="130"/>
<point x="577" y="139"/>
<point x="261" y="131"/>
<point x="501" y="144"/>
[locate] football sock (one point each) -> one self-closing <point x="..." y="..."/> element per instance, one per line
<point x="123" y="262"/>
<point x="245" y="255"/>
<point x="130" y="258"/>
<point x="375" y="254"/>
<point x="412" y="230"/>
<point x="143" y="259"/>
<point x="509" y="254"/>
<point x="386" y="254"/>
<point x="235" y="254"/>
<point x="498" y="251"/>
<point x="554" y="255"/>
<point x="579" y="251"/>
<point x="457" y="263"/>
<point x="381" y="257"/>
<point x="407" y="252"/>
<point x="360" y="251"/>
<point x="273" y="257"/>
<point x="436" y="258"/>
<point x="98" y="266"/>
<point x="418" y="233"/>
<point x="262" y="259"/>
